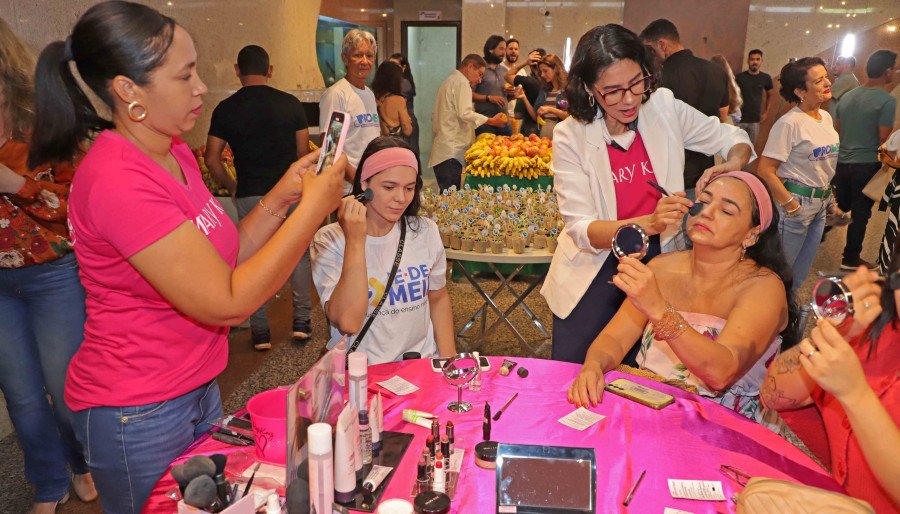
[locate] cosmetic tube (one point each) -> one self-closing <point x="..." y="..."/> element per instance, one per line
<point x="450" y="434"/>
<point x="445" y="449"/>
<point x="475" y="383"/>
<point x="358" y="370"/>
<point x="436" y="430"/>
<point x="357" y="439"/>
<point x="439" y="484"/>
<point x="376" y="477"/>
<point x="365" y="438"/>
<point x="345" y="449"/>
<point x="321" y="467"/>
<point x="375" y="423"/>
<point x="423" y="419"/>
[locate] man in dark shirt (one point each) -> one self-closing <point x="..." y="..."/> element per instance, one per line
<point x="695" y="81"/>
<point x="267" y="131"/>
<point x="753" y="83"/>
<point x="489" y="98"/>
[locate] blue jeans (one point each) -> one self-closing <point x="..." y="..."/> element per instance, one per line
<point x="129" y="448"/>
<point x="301" y="278"/>
<point x="42" y="318"/>
<point x="801" y="235"/>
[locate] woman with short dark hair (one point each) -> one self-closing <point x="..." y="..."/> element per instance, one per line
<point x="408" y="90"/>
<point x="622" y="134"/>
<point x="166" y="272"/>
<point x="799" y="161"/>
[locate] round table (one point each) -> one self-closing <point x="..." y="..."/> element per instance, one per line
<point x="689" y="439"/>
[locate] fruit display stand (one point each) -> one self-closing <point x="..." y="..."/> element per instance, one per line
<point x="517" y="162"/>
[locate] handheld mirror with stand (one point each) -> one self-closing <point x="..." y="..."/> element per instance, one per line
<point x="458" y="372"/>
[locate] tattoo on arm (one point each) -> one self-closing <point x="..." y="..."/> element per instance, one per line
<point x="774" y="397"/>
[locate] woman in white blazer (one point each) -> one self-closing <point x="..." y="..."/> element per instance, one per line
<point x="621" y="134"/>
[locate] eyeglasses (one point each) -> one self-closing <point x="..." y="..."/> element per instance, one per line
<point x="735" y="474"/>
<point x="637" y="89"/>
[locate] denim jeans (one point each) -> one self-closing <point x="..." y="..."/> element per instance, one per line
<point x="849" y="181"/>
<point x="801" y="235"/>
<point x="129" y="448"/>
<point x="42" y="318"/>
<point x="301" y="278"/>
<point x="448" y="173"/>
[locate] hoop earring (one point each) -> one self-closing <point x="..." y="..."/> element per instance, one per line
<point x="591" y="100"/>
<point x="131" y="114"/>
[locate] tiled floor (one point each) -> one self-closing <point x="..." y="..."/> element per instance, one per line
<point x="249" y="372"/>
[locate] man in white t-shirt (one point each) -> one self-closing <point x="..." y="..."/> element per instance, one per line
<point x="351" y="95"/>
<point x="512" y="56"/>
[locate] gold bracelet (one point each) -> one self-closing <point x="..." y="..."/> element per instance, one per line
<point x="261" y="204"/>
<point x="670" y="326"/>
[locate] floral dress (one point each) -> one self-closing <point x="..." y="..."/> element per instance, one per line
<point x="742" y="397"/>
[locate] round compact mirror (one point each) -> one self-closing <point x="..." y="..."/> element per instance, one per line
<point x="832" y="301"/>
<point x="630" y="240"/>
<point x="458" y="372"/>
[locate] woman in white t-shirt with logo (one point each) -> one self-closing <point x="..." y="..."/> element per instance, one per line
<point x="353" y="259"/>
<point x="799" y="161"/>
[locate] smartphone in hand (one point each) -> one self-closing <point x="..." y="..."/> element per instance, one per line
<point x="333" y="141"/>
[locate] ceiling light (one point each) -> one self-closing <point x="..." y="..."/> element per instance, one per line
<point x="807" y="31"/>
<point x="848" y="45"/>
<point x="830" y="25"/>
<point x="892" y="28"/>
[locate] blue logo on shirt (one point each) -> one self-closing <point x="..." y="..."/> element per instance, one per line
<point x="368" y="119"/>
<point x="823" y="153"/>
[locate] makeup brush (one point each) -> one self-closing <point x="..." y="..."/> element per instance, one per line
<point x="364" y="197"/>
<point x="693" y="211"/>
<point x="222" y="486"/>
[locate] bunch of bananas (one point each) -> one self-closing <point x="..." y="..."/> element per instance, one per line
<point x="516" y="156"/>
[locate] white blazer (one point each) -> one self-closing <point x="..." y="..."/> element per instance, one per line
<point x="584" y="185"/>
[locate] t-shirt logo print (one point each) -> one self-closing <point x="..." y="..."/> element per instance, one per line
<point x="824" y="152"/>
<point x="368" y="119"/>
<point x="376" y="291"/>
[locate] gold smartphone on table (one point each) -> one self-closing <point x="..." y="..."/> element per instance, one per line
<point x="641" y="394"/>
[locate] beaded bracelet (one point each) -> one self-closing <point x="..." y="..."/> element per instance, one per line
<point x="261" y="204"/>
<point x="670" y="326"/>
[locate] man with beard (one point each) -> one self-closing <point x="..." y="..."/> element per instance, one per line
<point x="489" y="96"/>
<point x="753" y="83"/>
<point x="512" y="57"/>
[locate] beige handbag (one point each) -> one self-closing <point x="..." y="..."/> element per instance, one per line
<point x="771" y="496"/>
<point x="879" y="182"/>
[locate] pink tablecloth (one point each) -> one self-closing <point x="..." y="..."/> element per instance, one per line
<point x="687" y="440"/>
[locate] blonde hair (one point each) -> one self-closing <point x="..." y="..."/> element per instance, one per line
<point x="16" y="83"/>
<point x="735" y="100"/>
<point x="561" y="79"/>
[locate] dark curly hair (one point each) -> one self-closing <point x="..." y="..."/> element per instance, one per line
<point x="793" y="76"/>
<point x="597" y="49"/>
<point x="768" y="253"/>
<point x="383" y="142"/>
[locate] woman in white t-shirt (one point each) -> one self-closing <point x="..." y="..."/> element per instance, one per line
<point x="799" y="161"/>
<point x="353" y="258"/>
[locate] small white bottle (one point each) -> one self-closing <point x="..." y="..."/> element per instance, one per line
<point x="273" y="504"/>
<point x="358" y="369"/>
<point x="321" y="467"/>
<point x="475" y="384"/>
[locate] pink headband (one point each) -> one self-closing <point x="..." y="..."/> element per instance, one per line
<point x="388" y="158"/>
<point x="759" y="193"/>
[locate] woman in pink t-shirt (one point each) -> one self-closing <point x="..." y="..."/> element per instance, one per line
<point x="166" y="271"/>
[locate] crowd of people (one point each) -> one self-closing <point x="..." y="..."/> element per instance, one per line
<point x="120" y="273"/>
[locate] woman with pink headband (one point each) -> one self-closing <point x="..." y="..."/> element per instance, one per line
<point x="380" y="271"/>
<point x="712" y="316"/>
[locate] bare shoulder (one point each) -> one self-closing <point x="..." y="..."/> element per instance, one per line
<point x="670" y="262"/>
<point x="756" y="281"/>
